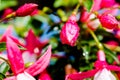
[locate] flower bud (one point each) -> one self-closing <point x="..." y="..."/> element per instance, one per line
<point x="7" y="12"/>
<point x="26" y="9"/>
<point x="108" y="21"/>
<point x="70" y="31"/>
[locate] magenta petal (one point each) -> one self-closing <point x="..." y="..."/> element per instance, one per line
<point x="40" y="64"/>
<point x="33" y="42"/>
<point x="10" y="78"/>
<point x="82" y="75"/>
<point x="15" y="57"/>
<point x="7" y="33"/>
<point x="44" y="76"/>
<point x="114" y="68"/>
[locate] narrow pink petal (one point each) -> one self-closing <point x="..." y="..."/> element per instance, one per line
<point x="33" y="42"/>
<point x="15" y="57"/>
<point x="40" y="64"/>
<point x="82" y="75"/>
<point x="7" y="33"/>
<point x="114" y="68"/>
<point x="10" y="78"/>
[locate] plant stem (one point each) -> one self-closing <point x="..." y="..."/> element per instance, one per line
<point x="5" y="60"/>
<point x="76" y="9"/>
<point x="99" y="45"/>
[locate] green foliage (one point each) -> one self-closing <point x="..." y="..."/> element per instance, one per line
<point x="65" y="3"/>
<point x="88" y="4"/>
<point x="4" y="67"/>
<point x="7" y="3"/>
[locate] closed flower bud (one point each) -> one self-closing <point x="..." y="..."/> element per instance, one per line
<point x="7" y="12"/>
<point x="70" y="31"/>
<point x="26" y="9"/>
<point x="108" y="21"/>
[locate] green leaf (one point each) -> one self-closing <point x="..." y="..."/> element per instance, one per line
<point x="7" y="3"/>
<point x="2" y="76"/>
<point x="111" y="54"/>
<point x="65" y="3"/>
<point x="2" y="46"/>
<point x="88" y="4"/>
<point x="4" y="67"/>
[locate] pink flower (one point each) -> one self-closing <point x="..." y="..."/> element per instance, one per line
<point x="33" y="47"/>
<point x="70" y="31"/>
<point x="9" y="33"/>
<point x="107" y="3"/>
<point x="101" y="71"/>
<point x="17" y="64"/>
<point x="108" y="21"/>
<point x="26" y="9"/>
<point x="96" y="5"/>
<point x="44" y="76"/>
<point x="85" y="16"/>
<point x="111" y="44"/>
<point x="7" y="12"/>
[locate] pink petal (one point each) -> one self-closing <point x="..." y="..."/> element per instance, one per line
<point x="26" y="9"/>
<point x="10" y="78"/>
<point x="114" y="68"/>
<point x="15" y="57"/>
<point x="33" y="42"/>
<point x="82" y="75"/>
<point x="40" y="64"/>
<point x="9" y="33"/>
<point x="44" y="76"/>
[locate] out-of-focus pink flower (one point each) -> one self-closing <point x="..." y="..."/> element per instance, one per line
<point x="96" y="5"/>
<point x="17" y="64"/>
<point x="70" y="31"/>
<point x="101" y="71"/>
<point x="26" y="9"/>
<point x="44" y="76"/>
<point x="111" y="44"/>
<point x="9" y="33"/>
<point x="33" y="47"/>
<point x="107" y="3"/>
<point x="85" y="16"/>
<point x="36" y="11"/>
<point x="108" y="21"/>
<point x="116" y="32"/>
<point x="7" y="12"/>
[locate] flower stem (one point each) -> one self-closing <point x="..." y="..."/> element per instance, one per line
<point x="5" y="60"/>
<point x="76" y="9"/>
<point x="99" y="45"/>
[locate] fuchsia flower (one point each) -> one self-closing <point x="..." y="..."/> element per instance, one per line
<point x="101" y="71"/>
<point x="33" y="46"/>
<point x="108" y="21"/>
<point x="9" y="33"/>
<point x="17" y="64"/>
<point x="116" y="32"/>
<point x="107" y="3"/>
<point x="26" y="9"/>
<point x="7" y="12"/>
<point x="44" y="76"/>
<point x="70" y="31"/>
